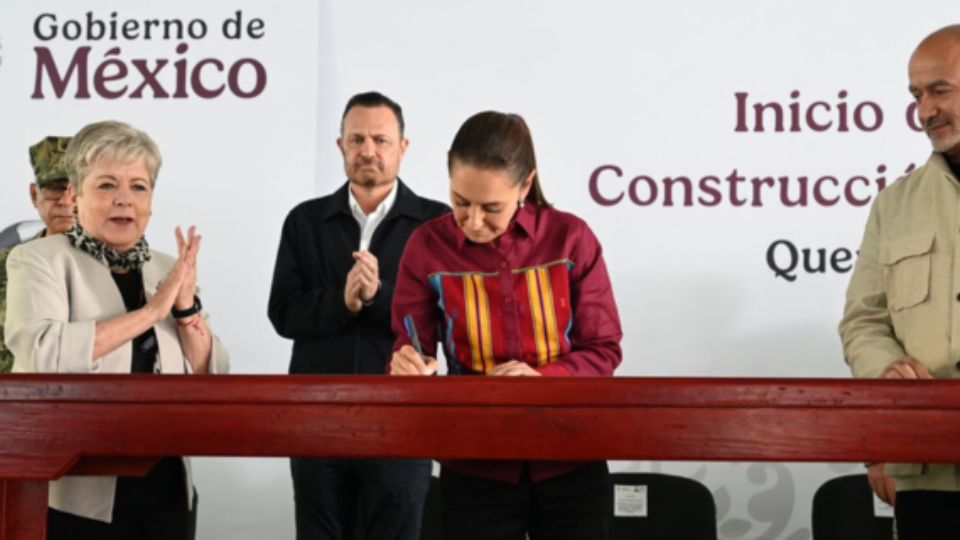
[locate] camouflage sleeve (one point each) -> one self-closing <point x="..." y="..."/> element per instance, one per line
<point x="6" y="357"/>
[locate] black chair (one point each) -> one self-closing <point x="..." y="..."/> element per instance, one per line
<point x="677" y="508"/>
<point x="432" y="514"/>
<point x="843" y="510"/>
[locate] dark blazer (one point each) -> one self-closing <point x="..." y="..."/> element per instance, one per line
<point x="306" y="298"/>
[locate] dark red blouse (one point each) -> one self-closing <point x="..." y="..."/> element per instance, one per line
<point x="541" y="295"/>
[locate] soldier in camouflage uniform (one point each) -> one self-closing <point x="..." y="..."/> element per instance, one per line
<point x="53" y="202"/>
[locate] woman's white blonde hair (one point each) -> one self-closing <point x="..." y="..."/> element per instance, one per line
<point x="111" y="141"/>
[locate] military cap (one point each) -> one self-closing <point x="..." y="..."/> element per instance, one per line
<point x="46" y="158"/>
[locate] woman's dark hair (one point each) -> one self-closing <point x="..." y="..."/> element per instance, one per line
<point x="499" y="141"/>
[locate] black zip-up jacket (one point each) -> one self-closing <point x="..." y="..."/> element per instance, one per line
<point x="306" y="298"/>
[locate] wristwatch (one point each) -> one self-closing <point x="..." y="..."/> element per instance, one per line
<point x="189" y="312"/>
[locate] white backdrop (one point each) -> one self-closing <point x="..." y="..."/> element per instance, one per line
<point x="647" y="89"/>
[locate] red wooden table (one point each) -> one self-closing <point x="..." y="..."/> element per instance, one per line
<point x="57" y="425"/>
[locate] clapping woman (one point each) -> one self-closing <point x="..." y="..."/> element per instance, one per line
<point x="98" y="299"/>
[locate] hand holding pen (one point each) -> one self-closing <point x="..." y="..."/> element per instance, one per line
<point x="411" y="360"/>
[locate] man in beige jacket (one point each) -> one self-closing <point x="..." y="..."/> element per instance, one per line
<point x="902" y="314"/>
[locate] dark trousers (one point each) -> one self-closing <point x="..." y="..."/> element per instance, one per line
<point x="927" y="515"/>
<point x="368" y="499"/>
<point x="150" y="508"/>
<point x="573" y="506"/>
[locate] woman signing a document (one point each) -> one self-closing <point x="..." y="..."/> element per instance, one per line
<point x="511" y="287"/>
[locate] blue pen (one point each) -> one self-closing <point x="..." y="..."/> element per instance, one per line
<point x="412" y="333"/>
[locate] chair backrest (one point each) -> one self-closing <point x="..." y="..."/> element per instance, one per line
<point x="20" y="232"/>
<point x="432" y="513"/>
<point x="654" y="506"/>
<point x="843" y="510"/>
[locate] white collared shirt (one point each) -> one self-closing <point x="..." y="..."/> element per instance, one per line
<point x="369" y="223"/>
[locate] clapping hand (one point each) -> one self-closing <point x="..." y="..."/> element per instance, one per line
<point x="363" y="281"/>
<point x="180" y="286"/>
<point x="187" y="248"/>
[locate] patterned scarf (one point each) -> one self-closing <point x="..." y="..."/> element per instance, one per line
<point x="131" y="260"/>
